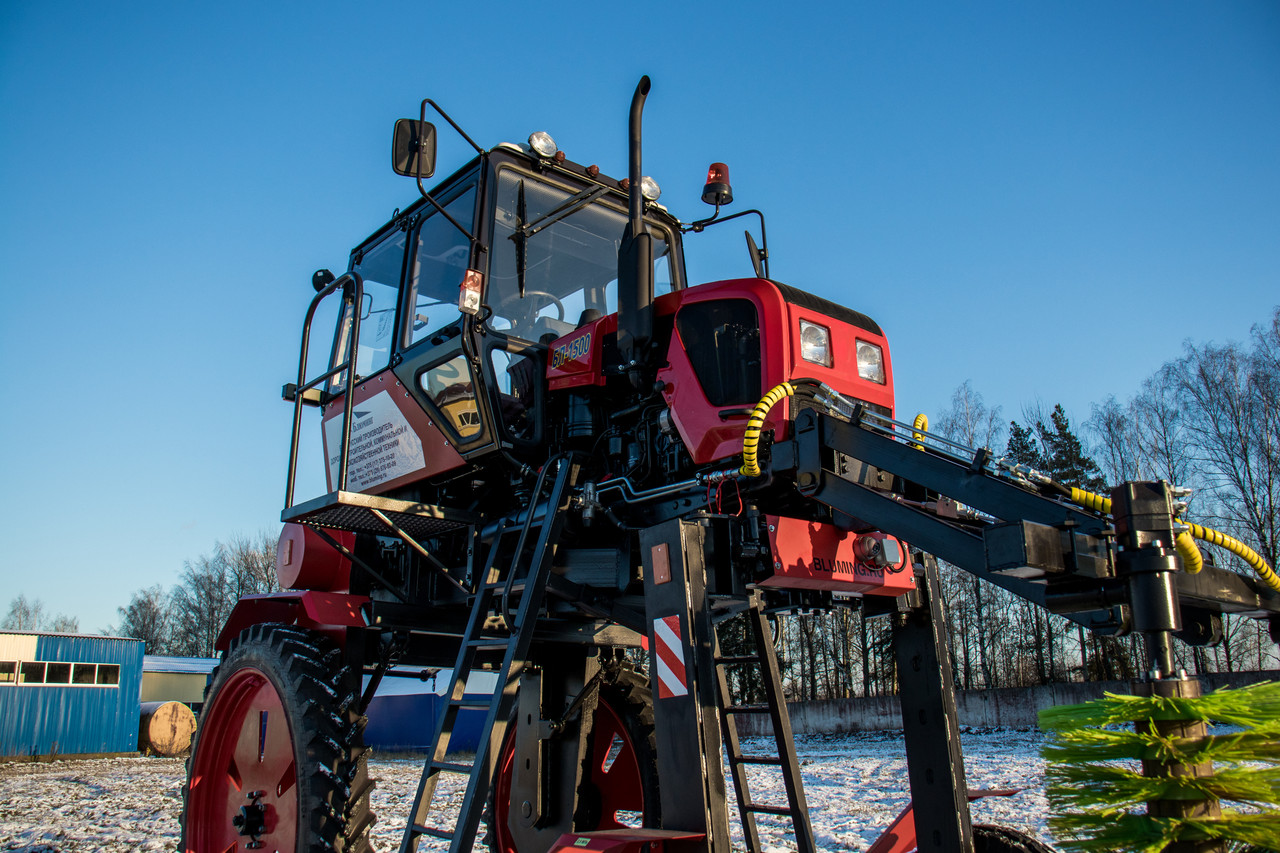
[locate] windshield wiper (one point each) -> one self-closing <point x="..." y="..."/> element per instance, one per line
<point x="523" y="232"/>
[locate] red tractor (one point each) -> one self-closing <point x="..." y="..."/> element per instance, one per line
<point x="547" y="450"/>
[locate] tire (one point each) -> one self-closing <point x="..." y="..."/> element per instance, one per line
<point x="1003" y="839"/>
<point x="619" y="772"/>
<point x="279" y="701"/>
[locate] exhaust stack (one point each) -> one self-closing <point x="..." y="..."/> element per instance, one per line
<point x="635" y="260"/>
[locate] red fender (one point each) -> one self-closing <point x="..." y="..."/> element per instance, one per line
<point x="308" y="608"/>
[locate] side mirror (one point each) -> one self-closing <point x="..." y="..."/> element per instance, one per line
<point x="321" y="279"/>
<point x="413" y="148"/>
<point x="757" y="256"/>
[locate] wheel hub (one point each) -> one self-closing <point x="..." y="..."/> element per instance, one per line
<point x="252" y="820"/>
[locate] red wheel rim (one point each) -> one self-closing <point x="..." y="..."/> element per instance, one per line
<point x="615" y="772"/>
<point x="246" y="747"/>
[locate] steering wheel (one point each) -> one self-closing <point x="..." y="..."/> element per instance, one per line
<point x="551" y="298"/>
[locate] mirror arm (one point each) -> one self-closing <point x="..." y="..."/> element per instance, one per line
<point x="698" y="226"/>
<point x="452" y="123"/>
<point x="422" y="117"/>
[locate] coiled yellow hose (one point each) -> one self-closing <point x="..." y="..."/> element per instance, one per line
<point x="919" y="428"/>
<point x="755" y="423"/>
<point x="1241" y="550"/>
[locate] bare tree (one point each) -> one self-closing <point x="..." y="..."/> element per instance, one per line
<point x="64" y="624"/>
<point x="211" y="585"/>
<point x="969" y="420"/>
<point x="1118" y="443"/>
<point x="1228" y="393"/>
<point x="24" y="615"/>
<point x="148" y="618"/>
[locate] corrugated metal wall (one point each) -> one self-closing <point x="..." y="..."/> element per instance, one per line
<point x="407" y="723"/>
<point x="48" y="719"/>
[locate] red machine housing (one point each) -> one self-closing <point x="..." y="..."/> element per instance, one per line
<point x="813" y="555"/>
<point x="709" y="431"/>
<point x="305" y="561"/>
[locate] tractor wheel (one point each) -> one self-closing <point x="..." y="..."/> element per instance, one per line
<point x="1003" y="839"/>
<point x="278" y="759"/>
<point x="620" y="771"/>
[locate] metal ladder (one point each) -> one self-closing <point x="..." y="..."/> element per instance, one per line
<point x="775" y="706"/>
<point x="526" y="577"/>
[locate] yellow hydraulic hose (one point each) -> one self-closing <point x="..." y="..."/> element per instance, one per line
<point x="1192" y="560"/>
<point x="1089" y="500"/>
<point x="755" y="423"/>
<point x="1241" y="550"/>
<point x="919" y="428"/>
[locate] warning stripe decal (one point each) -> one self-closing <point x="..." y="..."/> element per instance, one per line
<point x="672" y="678"/>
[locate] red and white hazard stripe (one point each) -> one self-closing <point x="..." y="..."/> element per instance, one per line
<point x="673" y="678"/>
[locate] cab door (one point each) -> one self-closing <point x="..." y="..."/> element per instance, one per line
<point x="410" y="415"/>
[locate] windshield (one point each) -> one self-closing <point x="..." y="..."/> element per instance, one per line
<point x="570" y="266"/>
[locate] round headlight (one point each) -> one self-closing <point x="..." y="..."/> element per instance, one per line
<point x="649" y="188"/>
<point x="542" y="144"/>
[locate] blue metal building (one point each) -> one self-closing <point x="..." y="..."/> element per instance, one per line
<point x="66" y="694"/>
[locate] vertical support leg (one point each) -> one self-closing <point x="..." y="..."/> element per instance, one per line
<point x="682" y="671"/>
<point x="1209" y="808"/>
<point x="935" y="765"/>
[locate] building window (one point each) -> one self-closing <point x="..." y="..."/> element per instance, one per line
<point x="57" y="673"/>
<point x="32" y="673"/>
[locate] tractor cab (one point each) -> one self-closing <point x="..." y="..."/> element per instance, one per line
<point x="459" y="297"/>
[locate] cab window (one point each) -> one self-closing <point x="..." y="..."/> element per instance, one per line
<point x="570" y="266"/>
<point x="440" y="257"/>
<point x="380" y="266"/>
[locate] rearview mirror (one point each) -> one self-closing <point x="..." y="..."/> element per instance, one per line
<point x="413" y="148"/>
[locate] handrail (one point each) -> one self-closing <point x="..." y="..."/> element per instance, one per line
<point x="352" y="285"/>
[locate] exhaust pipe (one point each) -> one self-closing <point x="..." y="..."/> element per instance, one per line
<point x="635" y="261"/>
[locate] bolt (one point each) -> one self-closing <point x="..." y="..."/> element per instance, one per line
<point x="526" y="809"/>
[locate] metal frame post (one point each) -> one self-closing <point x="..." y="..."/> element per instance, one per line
<point x="682" y="672"/>
<point x="930" y="724"/>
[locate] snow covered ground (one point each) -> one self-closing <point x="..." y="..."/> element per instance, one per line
<point x="856" y="784"/>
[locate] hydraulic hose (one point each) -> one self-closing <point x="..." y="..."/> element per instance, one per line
<point x="1192" y="560"/>
<point x="1241" y="550"/>
<point x="755" y="423"/>
<point x="919" y="427"/>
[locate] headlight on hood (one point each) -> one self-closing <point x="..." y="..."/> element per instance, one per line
<point x="870" y="362"/>
<point x="815" y="343"/>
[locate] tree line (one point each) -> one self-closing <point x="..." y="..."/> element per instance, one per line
<point x="186" y="618"/>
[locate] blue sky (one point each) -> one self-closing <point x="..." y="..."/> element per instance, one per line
<point x="1043" y="198"/>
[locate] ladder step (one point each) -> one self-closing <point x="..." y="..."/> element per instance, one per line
<point x="759" y="809"/>
<point x="756" y="759"/>
<point x="450" y="767"/>
<point x="737" y="659"/>
<point x="747" y="709"/>
<point x="467" y="702"/>
<point x="499" y="586"/>
<point x="432" y="832"/>
<point x="492" y="643"/>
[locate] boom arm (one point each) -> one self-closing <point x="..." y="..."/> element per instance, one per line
<point x="1056" y="555"/>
